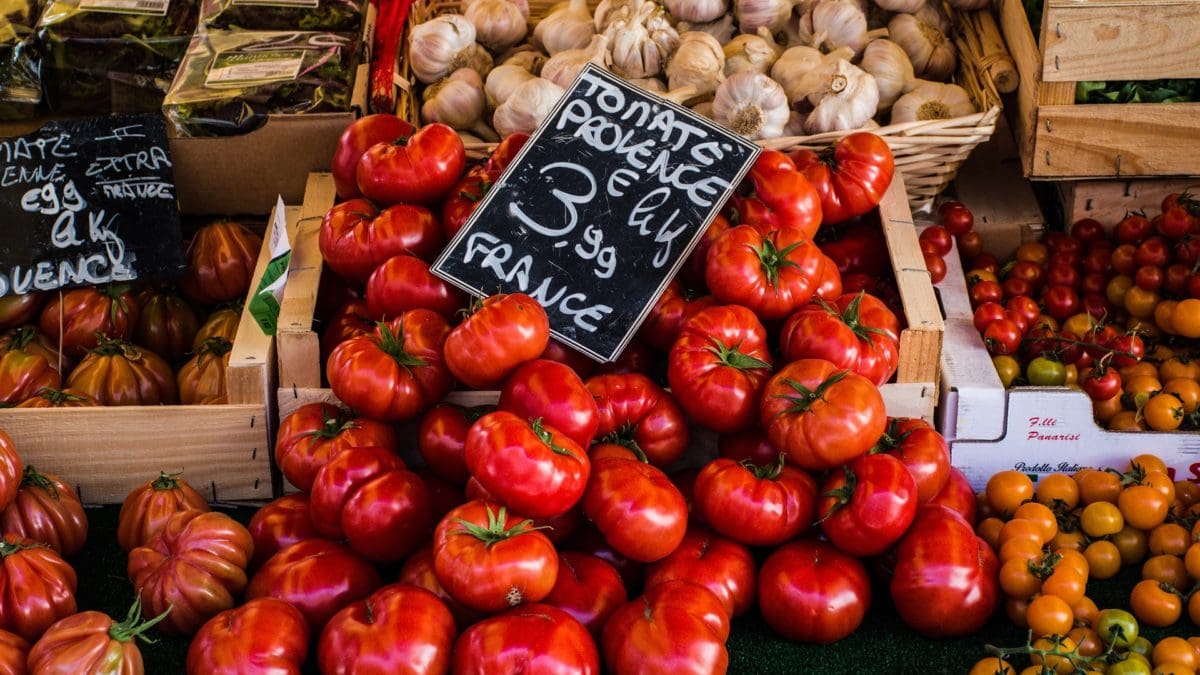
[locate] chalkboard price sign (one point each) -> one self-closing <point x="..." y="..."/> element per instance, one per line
<point x="599" y="210"/>
<point x="88" y="201"/>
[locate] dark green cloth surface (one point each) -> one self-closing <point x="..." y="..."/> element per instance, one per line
<point x="882" y="645"/>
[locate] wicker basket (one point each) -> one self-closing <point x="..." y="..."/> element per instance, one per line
<point x="929" y="153"/>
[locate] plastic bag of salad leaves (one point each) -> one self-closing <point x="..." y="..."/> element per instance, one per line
<point x="345" y="16"/>
<point x="113" y="55"/>
<point x="230" y="81"/>
<point x="20" y="77"/>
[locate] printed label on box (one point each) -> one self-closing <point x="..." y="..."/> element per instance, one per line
<point x="241" y="69"/>
<point x="148" y="7"/>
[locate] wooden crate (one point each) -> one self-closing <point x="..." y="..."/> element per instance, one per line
<point x="1108" y="200"/>
<point x="1104" y="40"/>
<point x="914" y="393"/>
<point x="224" y="451"/>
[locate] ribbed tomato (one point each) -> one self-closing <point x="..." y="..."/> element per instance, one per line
<point x="14" y="654"/>
<point x="640" y="512"/>
<point x="640" y="415"/>
<point x="397" y="629"/>
<point x="851" y="177"/>
<point x="166" y="325"/>
<point x="773" y="274"/>
<point x="91" y="642"/>
<point x="48" y="511"/>
<point x="355" y="239"/>
<point x="922" y="449"/>
<point x="25" y="372"/>
<point x="82" y="315"/>
<point x="756" y="505"/>
<point x="404" y="282"/>
<point x="279" y="524"/>
<point x="49" y="397"/>
<point x="11" y="470"/>
<point x="202" y="379"/>
<point x="868" y="505"/>
<point x="37" y="587"/>
<point x="856" y="332"/>
<point x="118" y="373"/>
<point x="587" y="588"/>
<point x="265" y="636"/>
<point x="552" y="391"/>
<point x="317" y="577"/>
<point x="721" y="565"/>
<point x="315" y="432"/>
<point x="810" y="591"/>
<point x="221" y="260"/>
<point x="676" y="627"/>
<point x="534" y="638"/>
<point x="504" y="332"/>
<point x="148" y="508"/>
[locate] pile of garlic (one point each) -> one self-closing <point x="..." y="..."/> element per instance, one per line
<point x="764" y="68"/>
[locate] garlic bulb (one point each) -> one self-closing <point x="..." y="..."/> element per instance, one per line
<point x="527" y="58"/>
<point x="752" y="105"/>
<point x="933" y="15"/>
<point x="795" y="124"/>
<point x="611" y="10"/>
<point x="642" y="41"/>
<point x="932" y="55"/>
<point x="563" y="67"/>
<point x="890" y="67"/>
<point x="756" y="53"/>
<point x="803" y="70"/>
<point x="830" y="24"/>
<point x="440" y="46"/>
<point x="457" y="101"/>
<point x="527" y="107"/>
<point x="502" y="81"/>
<point x="697" y="11"/>
<point x="652" y="84"/>
<point x="848" y="99"/>
<point x="499" y="24"/>
<point x="698" y="62"/>
<point x="932" y="101"/>
<point x="906" y="6"/>
<point x="722" y="29"/>
<point x="704" y="109"/>
<point x="755" y="14"/>
<point x="568" y="26"/>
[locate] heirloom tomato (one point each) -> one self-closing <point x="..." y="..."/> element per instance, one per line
<point x="582" y="365"/>
<point x="352" y="319"/>
<point x="416" y="169"/>
<point x="782" y="198"/>
<point x="850" y="177"/>
<point x="534" y="638"/>
<point x="345" y="238"/>
<point x="317" y="577"/>
<point x="11" y="470"/>
<point x="262" y="637"/>
<point x="810" y="591"/>
<point x="118" y="373"/>
<point x="527" y="466"/>
<point x="37" y="587"/>
<point x="360" y="136"/>
<point x="489" y="559"/>
<point x="718" y="367"/>
<point x="14" y="653"/>
<point x="859" y="249"/>
<point x="91" y="642"/>
<point x="922" y="450"/>
<point x="749" y="445"/>
<point x="195" y="566"/>
<point x="465" y="196"/>
<point x="221" y="261"/>
<point x="397" y="629"/>
<point x="404" y="282"/>
<point x="24" y="372"/>
<point x="166" y="324"/>
<point x="676" y="627"/>
<point x="418" y="571"/>
<point x="587" y="588"/>
<point x="721" y="565"/>
<point x="316" y="432"/>
<point x="820" y="416"/>
<point x="668" y="314"/>
<point x="30" y="340"/>
<point x="82" y="315"/>
<point x="148" y="507"/>
<point x="640" y="512"/>
<point x="868" y="505"/>
<point x="504" y="332"/>
<point x="281" y="523"/>
<point x="771" y="273"/>
<point x="47" y="511"/>
<point x="202" y="379"/>
<point x="397" y="372"/>
<point x="856" y="332"/>
<point x="552" y="392"/>
<point x="221" y="323"/>
<point x="442" y="438"/>
<point x="49" y="397"/>
<point x="18" y="310"/>
<point x="640" y="415"/>
<point x="756" y="505"/>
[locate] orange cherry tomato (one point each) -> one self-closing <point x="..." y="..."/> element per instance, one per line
<point x="1147" y="462"/>
<point x="1100" y="519"/>
<point x="1186" y="390"/>
<point x="1006" y="490"/>
<point x="1132" y="544"/>
<point x="1185" y="318"/>
<point x="1174" y="649"/>
<point x="1074" y="558"/>
<point x="1154" y="605"/>
<point x="1098" y="486"/>
<point x="1191" y="561"/>
<point x="1163" y="412"/>
<point x="1050" y="615"/>
<point x="1170" y="539"/>
<point x="1126" y="420"/>
<point x="1179" y="367"/>
<point x="1066" y="583"/>
<point x="1041" y="515"/>
<point x="988" y="529"/>
<point x="1143" y="507"/>
<point x="1017" y="580"/>
<point x="1056" y="489"/>
<point x="1103" y="558"/>
<point x="1167" y="569"/>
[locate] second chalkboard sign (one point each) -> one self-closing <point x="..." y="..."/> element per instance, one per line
<point x="599" y="210"/>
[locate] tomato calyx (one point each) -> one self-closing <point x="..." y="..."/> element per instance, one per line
<point x="801" y="403"/>
<point x="331" y="427"/>
<point x="774" y="259"/>
<point x="215" y="346"/>
<point x="401" y="141"/>
<point x="166" y="481"/>
<point x="733" y="357"/>
<point x="891" y="439"/>
<point x="114" y="292"/>
<point x="34" y="478"/>
<point x="57" y="396"/>
<point x="765" y="471"/>
<point x="624" y="438"/>
<point x="392" y="343"/>
<point x="1044" y="567"/>
<point x="116" y="347"/>
<point x="851" y="316"/>
<point x="21" y="337"/>
<point x="841" y="495"/>
<point x="133" y="626"/>
<point x="496" y="531"/>
<point x="8" y="548"/>
<point x="546" y="437"/>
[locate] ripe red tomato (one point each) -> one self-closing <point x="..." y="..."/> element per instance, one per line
<point x="1101" y="384"/>
<point x="531" y="638"/>
<point x="868" y="505"/>
<point x="772" y="274"/>
<point x="819" y="416"/>
<point x="262" y="637"/>
<point x="355" y="238"/>
<point x="366" y="496"/>
<point x="397" y="372"/>
<point x="922" y="450"/>
<point x="856" y="332"/>
<point x="938" y="239"/>
<point x="14" y="653"/>
<point x="1153" y="251"/>
<point x="118" y="373"/>
<point x="506" y="331"/>
<point x="552" y="392"/>
<point x="281" y="523"/>
<point x="851" y="178"/>
<point x="1024" y="306"/>
<point x="18" y="310"/>
<point x="587" y="588"/>
<point x="1061" y="302"/>
<point x="1149" y="277"/>
<point x="349" y="320"/>
<point x="442" y="437"/>
<point x="756" y="505"/>
<point x="489" y="559"/>
<point x="315" y="432"/>
<point x="721" y="565"/>
<point x="668" y="314"/>
<point x="530" y="467"/>
<point x="957" y="495"/>
<point x="718" y="366"/>
<point x="986" y="313"/>
<point x="195" y="565"/>
<point x="640" y="512"/>
<point x="1087" y="230"/>
<point x="986" y="291"/>
<point x="1176" y="223"/>
<point x="404" y="282"/>
<point x="945" y="579"/>
<point x="676" y="627"/>
<point x="91" y="642"/>
<point x="11" y="470"/>
<point x="1127" y="349"/>
<point x="418" y="571"/>
<point x="37" y="587"/>
<point x="317" y="577"/>
<point x="81" y="315"/>
<point x="956" y="217"/>
<point x="782" y="198"/>
<point x="363" y="133"/>
<point x="398" y="628"/>
<point x="810" y="591"/>
<point x="639" y="414"/>
<point x="148" y="507"/>
<point x="48" y="511"/>
<point x="970" y="244"/>
<point x="166" y="325"/>
<point x="749" y="445"/>
<point x="416" y="169"/>
<point x="221" y="261"/>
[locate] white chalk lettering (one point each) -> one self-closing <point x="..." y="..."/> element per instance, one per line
<point x="605" y="256"/>
<point x="569" y="201"/>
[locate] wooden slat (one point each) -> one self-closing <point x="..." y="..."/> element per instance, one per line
<point x="299" y="345"/>
<point x="1019" y="38"/>
<point x="1109" y="200"/>
<point x="1121" y="40"/>
<point x="1133" y="139"/>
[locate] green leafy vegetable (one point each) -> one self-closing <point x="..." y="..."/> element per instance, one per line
<point x="1146" y="91"/>
<point x="315" y="15"/>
